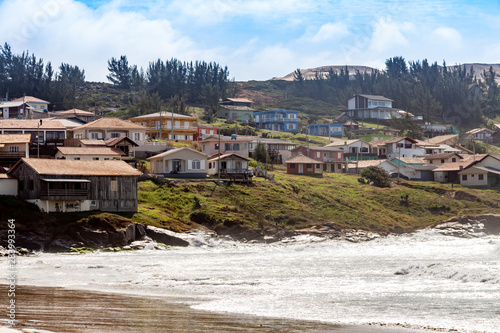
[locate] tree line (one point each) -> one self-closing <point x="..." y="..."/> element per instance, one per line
<point x="446" y="94"/>
<point x="25" y="74"/>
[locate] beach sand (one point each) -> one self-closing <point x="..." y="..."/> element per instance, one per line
<point x="40" y="309"/>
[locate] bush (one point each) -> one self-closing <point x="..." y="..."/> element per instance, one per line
<point x="377" y="175"/>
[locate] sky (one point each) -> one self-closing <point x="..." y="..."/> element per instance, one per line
<point x="255" y="39"/>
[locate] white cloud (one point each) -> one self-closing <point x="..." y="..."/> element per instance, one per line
<point x="270" y="61"/>
<point x="389" y="35"/>
<point x="327" y="32"/>
<point x="447" y="36"/>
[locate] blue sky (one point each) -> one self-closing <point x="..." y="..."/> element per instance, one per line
<point x="256" y="39"/>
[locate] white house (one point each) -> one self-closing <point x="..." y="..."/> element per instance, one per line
<point x="485" y="172"/>
<point x="373" y="107"/>
<point x="180" y="163"/>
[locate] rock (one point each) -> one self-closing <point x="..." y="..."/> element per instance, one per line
<point x="470" y="225"/>
<point x="164" y="236"/>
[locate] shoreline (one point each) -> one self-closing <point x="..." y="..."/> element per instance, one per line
<point x="59" y="310"/>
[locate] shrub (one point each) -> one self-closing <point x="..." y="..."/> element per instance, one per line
<point x="377" y="175"/>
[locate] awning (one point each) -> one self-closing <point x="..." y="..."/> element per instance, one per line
<point x="65" y="180"/>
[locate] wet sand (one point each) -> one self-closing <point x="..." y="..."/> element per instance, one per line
<point x="74" y="311"/>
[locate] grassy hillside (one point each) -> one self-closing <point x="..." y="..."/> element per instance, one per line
<point x="302" y="201"/>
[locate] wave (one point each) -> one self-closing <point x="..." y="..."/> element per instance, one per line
<point x="440" y="271"/>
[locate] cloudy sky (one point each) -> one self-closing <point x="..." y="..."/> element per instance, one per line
<point x="256" y="39"/>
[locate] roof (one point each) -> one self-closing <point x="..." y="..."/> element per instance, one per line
<point x="394" y="140"/>
<point x="115" y="141"/>
<point x="339" y="142"/>
<point x="30" y="99"/>
<point x="207" y="126"/>
<point x="238" y="100"/>
<point x="324" y="148"/>
<point x="30" y="124"/>
<point x="225" y="138"/>
<point x="11" y="104"/>
<point x="102" y="151"/>
<point x="374" y="97"/>
<point x="411" y="160"/>
<point x="67" y="122"/>
<point x="464" y="163"/>
<point x="76" y="112"/>
<point x="111" y="123"/>
<point x="478" y="130"/>
<point x="481" y="168"/>
<point x="175" y="151"/>
<point x="256" y="139"/>
<point x="442" y="138"/>
<point x="368" y="163"/>
<point x="441" y="156"/>
<point x="302" y="159"/>
<point x="78" y="168"/>
<point x="15" y="138"/>
<point x="88" y="142"/>
<point x="162" y="114"/>
<point x="224" y="156"/>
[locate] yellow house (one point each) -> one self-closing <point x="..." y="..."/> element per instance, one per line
<point x="161" y="125"/>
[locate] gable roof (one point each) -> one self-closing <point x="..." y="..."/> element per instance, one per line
<point x="111" y="123"/>
<point x="224" y="156"/>
<point x="464" y="163"/>
<point x="77" y="168"/>
<point x="89" y="142"/>
<point x="114" y="141"/>
<point x="163" y="114"/>
<point x="389" y="141"/>
<point x="175" y="151"/>
<point x="442" y="138"/>
<point x="76" y="112"/>
<point x="340" y="142"/>
<point x="411" y="160"/>
<point x="478" y="130"/>
<point x="238" y="100"/>
<point x="15" y="138"/>
<point x="302" y="159"/>
<point x="102" y="151"/>
<point x="374" y="97"/>
<point x="30" y="124"/>
<point x="30" y="99"/>
<point x="224" y="138"/>
<point x="368" y="163"/>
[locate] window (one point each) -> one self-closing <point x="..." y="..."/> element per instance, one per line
<point x="76" y="158"/>
<point x="464" y="177"/>
<point x="31" y="184"/>
<point x="480" y="177"/>
<point x="14" y="149"/>
<point x="203" y="131"/>
<point x="55" y="135"/>
<point x="318" y="166"/>
<point x="308" y="166"/>
<point x="442" y="161"/>
<point x="137" y="136"/>
<point x="94" y="136"/>
<point x="114" y="185"/>
<point x="95" y="158"/>
<point x="196" y="165"/>
<point x="318" y="154"/>
<point x="292" y="166"/>
<point x="430" y="161"/>
<point x="236" y="146"/>
<point x="115" y="135"/>
<point x="453" y="159"/>
<point x="106" y="158"/>
<point x="227" y="146"/>
<point x="186" y="124"/>
<point x="210" y="165"/>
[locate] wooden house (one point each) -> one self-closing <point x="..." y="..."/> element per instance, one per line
<point x="180" y="163"/>
<point x="162" y="125"/>
<point x="230" y="165"/>
<point x="74" y="186"/>
<point x="13" y="147"/>
<point x="301" y="164"/>
<point x="332" y="158"/>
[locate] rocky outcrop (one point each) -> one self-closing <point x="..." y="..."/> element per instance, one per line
<point x="470" y="225"/>
<point x="165" y="237"/>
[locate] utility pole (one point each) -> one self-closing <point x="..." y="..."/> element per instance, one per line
<point x="173" y="137"/>
<point x="38" y="139"/>
<point x="218" y="161"/>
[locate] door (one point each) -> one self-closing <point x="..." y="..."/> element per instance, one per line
<point x="176" y="166"/>
<point x="6" y="113"/>
<point x="301" y="168"/>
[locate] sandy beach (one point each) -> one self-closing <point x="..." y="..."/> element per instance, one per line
<point x="42" y="309"/>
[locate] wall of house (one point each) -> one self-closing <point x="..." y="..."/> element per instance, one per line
<point x="60" y="155"/>
<point x="307" y="168"/>
<point x="63" y="206"/>
<point x="441" y="177"/>
<point x="473" y="179"/>
<point x="8" y="186"/>
<point x="164" y="164"/>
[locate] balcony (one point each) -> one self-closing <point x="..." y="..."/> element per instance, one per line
<point x="279" y="120"/>
<point x="8" y="156"/>
<point x="64" y="194"/>
<point x="64" y="189"/>
<point x="167" y="127"/>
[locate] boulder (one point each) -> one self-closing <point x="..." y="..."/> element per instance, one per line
<point x="164" y="236"/>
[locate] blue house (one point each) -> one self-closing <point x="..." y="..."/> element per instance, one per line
<point x="336" y="129"/>
<point x="277" y="120"/>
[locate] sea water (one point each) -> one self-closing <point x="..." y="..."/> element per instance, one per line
<point x="424" y="280"/>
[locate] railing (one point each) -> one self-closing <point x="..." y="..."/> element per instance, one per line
<point x="228" y="171"/>
<point x="276" y="119"/>
<point x="166" y="127"/>
<point x="11" y="155"/>
<point x="67" y="193"/>
<point x="332" y="160"/>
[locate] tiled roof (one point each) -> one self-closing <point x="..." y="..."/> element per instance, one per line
<point x="76" y="112"/>
<point x="376" y="97"/>
<point x="478" y="130"/>
<point x="367" y="163"/>
<point x="162" y="114"/>
<point x="325" y="148"/>
<point x="339" y="142"/>
<point x="175" y="151"/>
<point x="79" y="168"/>
<point x="102" y="151"/>
<point x="412" y="160"/>
<point x="207" y="126"/>
<point x="111" y="123"/>
<point x="302" y="159"/>
<point x="115" y="141"/>
<point x="30" y="124"/>
<point x="15" y="138"/>
<point x="239" y="100"/>
<point x="441" y="156"/>
<point x="224" y="138"/>
<point x="223" y="156"/>
<point x="442" y="138"/>
<point x="88" y="142"/>
<point x="464" y="163"/>
<point x="30" y="99"/>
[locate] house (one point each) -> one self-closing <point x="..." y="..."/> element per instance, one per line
<point x="204" y="131"/>
<point x="15" y="110"/>
<point x="228" y="145"/>
<point x="301" y="164"/>
<point x="375" y="134"/>
<point x="69" y="123"/>
<point x="440" y="159"/>
<point x="408" y="161"/>
<point x="180" y="163"/>
<point x="38" y="105"/>
<point x="236" y="109"/>
<point x="46" y="136"/>
<point x="369" y="107"/>
<point x="230" y="165"/>
<point x="433" y="130"/>
<point x="356" y="149"/>
<point x="357" y="166"/>
<point x="13" y="147"/>
<point x="277" y="120"/>
<point x="75" y="186"/>
<point x="484" y="172"/>
<point x="277" y="149"/>
<point x="82" y="115"/>
<point x="346" y="121"/>
<point x="107" y="128"/>
<point x="397" y="147"/>
<point x="448" y="172"/>
<point x="478" y="134"/>
<point x="88" y="153"/>
<point x="450" y="140"/>
<point x="332" y="158"/>
<point x="162" y="125"/>
<point x="336" y="129"/>
<point x="125" y="145"/>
